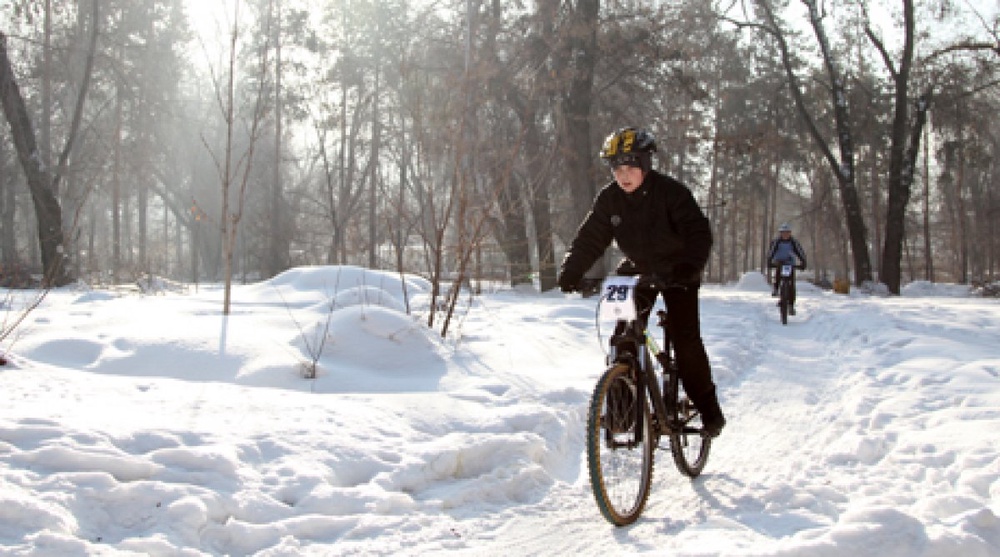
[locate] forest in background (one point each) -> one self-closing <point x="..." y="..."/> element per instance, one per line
<point x="457" y="140"/>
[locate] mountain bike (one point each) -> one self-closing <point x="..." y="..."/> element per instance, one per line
<point x="629" y="413"/>
<point x="786" y="276"/>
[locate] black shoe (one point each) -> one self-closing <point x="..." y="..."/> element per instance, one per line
<point x="712" y="425"/>
<point x="712" y="420"/>
<point x="791" y="310"/>
<point x="774" y="293"/>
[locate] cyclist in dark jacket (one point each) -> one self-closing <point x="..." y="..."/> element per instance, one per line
<point x="786" y="249"/>
<point x="658" y="225"/>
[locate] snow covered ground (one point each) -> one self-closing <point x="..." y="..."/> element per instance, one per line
<point x="153" y="425"/>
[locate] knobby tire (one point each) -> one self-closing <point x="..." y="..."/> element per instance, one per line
<point x="687" y="445"/>
<point x="620" y="443"/>
<point x="783" y="302"/>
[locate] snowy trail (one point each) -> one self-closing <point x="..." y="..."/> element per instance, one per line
<point x="809" y="439"/>
<point x="758" y="486"/>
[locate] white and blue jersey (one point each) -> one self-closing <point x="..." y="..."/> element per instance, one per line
<point x="786" y="251"/>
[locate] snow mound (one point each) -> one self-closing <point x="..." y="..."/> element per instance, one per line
<point x="753" y="281"/>
<point x="923" y="289"/>
<point x="366" y="296"/>
<point x="376" y="349"/>
<point x="334" y="279"/>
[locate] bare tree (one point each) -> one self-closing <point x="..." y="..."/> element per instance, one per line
<point x="906" y="132"/>
<point x="842" y="165"/>
<point x="236" y="171"/>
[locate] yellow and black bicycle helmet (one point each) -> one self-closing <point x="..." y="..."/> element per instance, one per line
<point x="629" y="146"/>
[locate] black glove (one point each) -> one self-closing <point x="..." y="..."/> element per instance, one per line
<point x="569" y="282"/>
<point x="801" y="266"/>
<point x="686" y="273"/>
<point x="626" y="267"/>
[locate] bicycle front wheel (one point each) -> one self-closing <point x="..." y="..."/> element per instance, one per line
<point x="620" y="445"/>
<point x="783" y="303"/>
<point x="687" y="445"/>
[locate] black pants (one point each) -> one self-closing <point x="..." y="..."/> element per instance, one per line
<point x="684" y="328"/>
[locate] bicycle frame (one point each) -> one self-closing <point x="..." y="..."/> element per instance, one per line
<point x="786" y="275"/>
<point x="643" y="365"/>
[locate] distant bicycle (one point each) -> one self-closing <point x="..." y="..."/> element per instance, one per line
<point x="629" y="413"/>
<point x="786" y="278"/>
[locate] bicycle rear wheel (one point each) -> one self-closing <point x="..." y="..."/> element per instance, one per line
<point x="783" y="302"/>
<point x="619" y="445"/>
<point x="687" y="445"/>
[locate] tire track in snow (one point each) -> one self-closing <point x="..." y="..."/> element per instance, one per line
<point x="776" y="384"/>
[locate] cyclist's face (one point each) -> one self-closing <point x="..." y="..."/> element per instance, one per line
<point x="629" y="178"/>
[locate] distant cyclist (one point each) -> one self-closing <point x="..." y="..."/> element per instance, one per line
<point x="786" y="249"/>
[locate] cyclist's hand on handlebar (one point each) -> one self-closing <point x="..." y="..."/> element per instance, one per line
<point x="569" y="282"/>
<point x="801" y="266"/>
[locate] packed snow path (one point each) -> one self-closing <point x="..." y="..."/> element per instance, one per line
<point x="840" y="441"/>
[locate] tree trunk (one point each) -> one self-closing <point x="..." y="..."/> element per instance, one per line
<point x="539" y="199"/>
<point x="901" y="158"/>
<point x="576" y="107"/>
<point x="373" y="196"/>
<point x="116" y="185"/>
<point x="539" y="194"/>
<point x="227" y="173"/>
<point x="277" y="258"/>
<point x="876" y="210"/>
<point x="514" y="233"/>
<point x="47" y="209"/>
<point x="928" y="251"/>
<point x="45" y="132"/>
<point x="962" y="242"/>
<point x="8" y="242"/>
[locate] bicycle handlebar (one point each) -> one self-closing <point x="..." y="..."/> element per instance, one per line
<point x="773" y="265"/>
<point x="654" y="281"/>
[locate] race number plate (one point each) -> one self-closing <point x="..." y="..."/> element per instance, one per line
<point x="618" y="298"/>
<point x="786" y="270"/>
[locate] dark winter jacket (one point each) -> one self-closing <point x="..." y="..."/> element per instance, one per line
<point x="659" y="227"/>
<point x="785" y="251"/>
